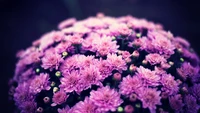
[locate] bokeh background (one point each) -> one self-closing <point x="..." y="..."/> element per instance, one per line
<point x="23" y="21"/>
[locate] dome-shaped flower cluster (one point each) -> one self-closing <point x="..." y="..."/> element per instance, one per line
<point x="107" y="65"/>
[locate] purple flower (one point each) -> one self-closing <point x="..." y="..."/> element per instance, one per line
<point x="104" y="45"/>
<point x="22" y="94"/>
<point x="105" y="99"/>
<point x="130" y="85"/>
<point x="170" y="86"/>
<point x="125" y="54"/>
<point x="196" y="78"/>
<point x="104" y="68"/>
<point x="182" y="42"/>
<point x="149" y="77"/>
<point x="90" y="42"/>
<point x="195" y="91"/>
<point x="40" y="83"/>
<point x="186" y="70"/>
<point x="51" y="61"/>
<point x="77" y="28"/>
<point x="57" y="36"/>
<point x="74" y="39"/>
<point x="65" y="110"/>
<point x="77" y="62"/>
<point x="45" y="41"/>
<point x="150" y="98"/>
<point x="70" y="64"/>
<point x="26" y="75"/>
<point x="157" y="43"/>
<point x="86" y="61"/>
<point x="176" y="102"/>
<point x="143" y="23"/>
<point x="159" y="71"/>
<point x="71" y="82"/>
<point x="33" y="57"/>
<point x="94" y="23"/>
<point x="86" y="106"/>
<point x="155" y="59"/>
<point x="192" y="56"/>
<point x="119" y="29"/>
<point x="64" y="47"/>
<point x="59" y="97"/>
<point x="66" y="23"/>
<point x="116" y="62"/>
<point x="90" y="76"/>
<point x="28" y="107"/>
<point x="191" y="104"/>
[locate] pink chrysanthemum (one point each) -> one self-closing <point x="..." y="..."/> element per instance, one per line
<point x="40" y="83"/>
<point x="51" y="61"/>
<point x="70" y="64"/>
<point x="66" y="23"/>
<point x="104" y="68"/>
<point x="77" y="62"/>
<point x="120" y="29"/>
<point x="26" y="75"/>
<point x="149" y="77"/>
<point x="74" y="39"/>
<point x="105" y="99"/>
<point x="70" y="82"/>
<point x="157" y="43"/>
<point x="155" y="59"/>
<point x="150" y="98"/>
<point x="22" y="94"/>
<point x="176" y="102"/>
<point x="104" y="45"/>
<point x="64" y="47"/>
<point x="59" y="97"/>
<point x="28" y="107"/>
<point x="195" y="90"/>
<point x="86" y="106"/>
<point x="90" y="76"/>
<point x="170" y="86"/>
<point x="186" y="70"/>
<point x="130" y="85"/>
<point x="65" y="110"/>
<point x="191" y="104"/>
<point x="116" y="62"/>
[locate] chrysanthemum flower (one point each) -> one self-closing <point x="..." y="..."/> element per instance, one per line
<point x="155" y="59"/>
<point x="106" y="99"/>
<point x="39" y="83"/>
<point x="86" y="106"/>
<point x="107" y="65"/>
<point x="59" y="98"/>
<point x="150" y="98"/>
<point x="148" y="76"/>
<point x="170" y="86"/>
<point x="130" y="85"/>
<point x="176" y="102"/>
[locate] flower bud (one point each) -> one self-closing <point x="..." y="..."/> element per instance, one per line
<point x="40" y="110"/>
<point x="133" y="97"/>
<point x="117" y="76"/>
<point x="129" y="109"/>
<point x="120" y="109"/>
<point x="132" y="68"/>
<point x="135" y="54"/>
<point x="46" y="99"/>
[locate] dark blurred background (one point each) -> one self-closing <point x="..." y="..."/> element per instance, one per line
<point x="22" y="21"/>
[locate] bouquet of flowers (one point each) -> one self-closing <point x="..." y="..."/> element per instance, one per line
<point x="107" y="65"/>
